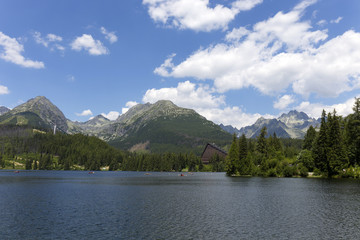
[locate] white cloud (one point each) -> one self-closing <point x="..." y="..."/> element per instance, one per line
<point x="336" y="20"/>
<point x="284" y="102"/>
<point x="315" y="109"/>
<point x="88" y="43"/>
<point x="204" y="101"/>
<point x="322" y="22"/>
<point x="12" y="50"/>
<point x="196" y="14"/>
<point x="53" y="38"/>
<point x="112" y="115"/>
<point x="110" y="36"/>
<point x="186" y="94"/>
<point x="233" y="116"/>
<point x="163" y="69"/>
<point x="4" y="90"/>
<point x="280" y="52"/>
<point x="128" y="105"/>
<point x="85" y="113"/>
<point x="50" y="41"/>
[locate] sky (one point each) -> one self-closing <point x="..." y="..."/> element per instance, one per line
<point x="232" y="61"/>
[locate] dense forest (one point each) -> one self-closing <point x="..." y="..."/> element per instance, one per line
<point x="332" y="151"/>
<point x="26" y="148"/>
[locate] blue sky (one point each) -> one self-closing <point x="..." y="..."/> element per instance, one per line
<point x="231" y="60"/>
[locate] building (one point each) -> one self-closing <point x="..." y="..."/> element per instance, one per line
<point x="209" y="151"/>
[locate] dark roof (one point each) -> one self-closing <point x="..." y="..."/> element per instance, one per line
<point x="214" y="146"/>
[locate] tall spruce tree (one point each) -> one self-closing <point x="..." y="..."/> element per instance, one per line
<point x="232" y="158"/>
<point x="337" y="158"/>
<point x="261" y="145"/>
<point x="309" y="138"/>
<point x="320" y="146"/>
<point x="353" y="134"/>
<point x="244" y="161"/>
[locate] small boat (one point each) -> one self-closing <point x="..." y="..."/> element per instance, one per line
<point x="16" y="171"/>
<point x="91" y="172"/>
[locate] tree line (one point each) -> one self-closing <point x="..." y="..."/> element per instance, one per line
<point x="331" y="151"/>
<point x="26" y="148"/>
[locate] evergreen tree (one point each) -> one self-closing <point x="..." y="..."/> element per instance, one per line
<point x="337" y="158"/>
<point x="232" y="158"/>
<point x="244" y="161"/>
<point x="320" y="148"/>
<point x="261" y="147"/>
<point x="309" y="138"/>
<point x="353" y="134"/>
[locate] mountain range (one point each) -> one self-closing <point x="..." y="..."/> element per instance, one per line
<point x="291" y="125"/>
<point x="158" y="127"/>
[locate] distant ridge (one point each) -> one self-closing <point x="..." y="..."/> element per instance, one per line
<point x="291" y="125"/>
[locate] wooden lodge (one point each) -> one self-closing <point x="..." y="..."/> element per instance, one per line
<point x="209" y="151"/>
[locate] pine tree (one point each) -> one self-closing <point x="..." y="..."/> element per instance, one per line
<point x="262" y="148"/>
<point x="309" y="138"/>
<point x="320" y="146"/>
<point x="353" y="134"/>
<point x="337" y="158"/>
<point x="232" y="158"/>
<point x="244" y="161"/>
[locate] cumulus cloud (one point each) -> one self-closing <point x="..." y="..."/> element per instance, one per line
<point x="284" y="102"/>
<point x="204" y="101"/>
<point x="315" y="109"/>
<point x="88" y="43"/>
<point x="186" y="94"/>
<point x="128" y="105"/>
<point x="12" y="52"/>
<point x="112" y="115"/>
<point x="275" y="54"/>
<point x="110" y="36"/>
<point x="196" y="14"/>
<point x="84" y="113"/>
<point x="4" y="90"/>
<point x="233" y="116"/>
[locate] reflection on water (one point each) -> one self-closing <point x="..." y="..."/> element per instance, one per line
<point x="133" y="205"/>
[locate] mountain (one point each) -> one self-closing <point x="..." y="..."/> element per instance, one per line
<point x="291" y="125"/>
<point x="37" y="112"/>
<point x="3" y="110"/>
<point x="158" y="127"/>
<point x="92" y="127"/>
<point x="164" y="127"/>
<point x="230" y="129"/>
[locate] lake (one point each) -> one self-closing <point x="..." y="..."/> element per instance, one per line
<point x="135" y="205"/>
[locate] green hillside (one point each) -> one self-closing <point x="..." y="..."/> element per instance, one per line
<point x="181" y="133"/>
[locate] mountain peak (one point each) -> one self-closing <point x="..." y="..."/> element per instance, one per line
<point x="293" y="124"/>
<point x="3" y="110"/>
<point x="46" y="110"/>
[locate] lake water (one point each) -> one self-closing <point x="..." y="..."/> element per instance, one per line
<point x="133" y="205"/>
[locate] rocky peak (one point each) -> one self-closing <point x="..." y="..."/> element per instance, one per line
<point x="46" y="110"/>
<point x="3" y="110"/>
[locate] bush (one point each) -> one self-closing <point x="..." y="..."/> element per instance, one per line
<point x="271" y="173"/>
<point x="303" y="171"/>
<point x="288" y="171"/>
